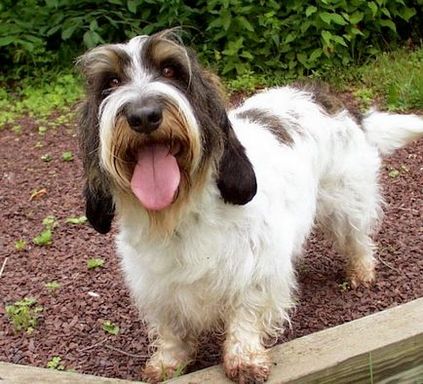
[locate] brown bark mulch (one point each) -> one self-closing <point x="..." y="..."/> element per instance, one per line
<point x="70" y="325"/>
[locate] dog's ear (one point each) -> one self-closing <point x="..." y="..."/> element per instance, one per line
<point x="99" y="209"/>
<point x="99" y="200"/>
<point x="236" y="177"/>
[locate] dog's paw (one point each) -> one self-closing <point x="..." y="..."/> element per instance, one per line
<point x="155" y="373"/>
<point x="253" y="368"/>
<point x="361" y="275"/>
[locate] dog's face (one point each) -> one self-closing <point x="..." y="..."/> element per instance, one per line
<point x="154" y="127"/>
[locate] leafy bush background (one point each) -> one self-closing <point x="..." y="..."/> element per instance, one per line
<point x="233" y="36"/>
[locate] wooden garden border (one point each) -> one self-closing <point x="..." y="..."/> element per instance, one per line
<point x="383" y="348"/>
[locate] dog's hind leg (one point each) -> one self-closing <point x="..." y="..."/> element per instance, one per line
<point x="348" y="213"/>
<point x="355" y="244"/>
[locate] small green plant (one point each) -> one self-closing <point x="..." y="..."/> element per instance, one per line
<point x="46" y="158"/>
<point x="166" y="375"/>
<point x="50" y="222"/>
<point x="46" y="236"/>
<point x="394" y="173"/>
<point x="54" y="363"/>
<point x="179" y="370"/>
<point x="42" y="130"/>
<point x="344" y="286"/>
<point x="52" y="286"/>
<point x="110" y="327"/>
<point x="16" y="129"/>
<point x="67" y="156"/>
<point x="95" y="263"/>
<point x="24" y="314"/>
<point x="77" y="220"/>
<point x="365" y="96"/>
<point x="20" y="245"/>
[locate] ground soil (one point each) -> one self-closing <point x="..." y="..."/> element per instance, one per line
<point x="70" y="325"/>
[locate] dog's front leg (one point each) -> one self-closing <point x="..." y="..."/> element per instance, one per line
<point x="245" y="358"/>
<point x="171" y="357"/>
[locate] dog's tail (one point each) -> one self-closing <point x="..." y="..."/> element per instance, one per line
<point x="389" y="132"/>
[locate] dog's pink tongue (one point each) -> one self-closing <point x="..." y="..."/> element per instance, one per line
<point x="156" y="177"/>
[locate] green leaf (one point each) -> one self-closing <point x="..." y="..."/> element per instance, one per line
<point x="327" y="36"/>
<point x="310" y="10"/>
<point x="110" y="327"/>
<point x="6" y="40"/>
<point x="20" y="245"/>
<point x="386" y="12"/>
<point x="290" y="37"/>
<point x="93" y="25"/>
<point x="356" y="31"/>
<point x="394" y="173"/>
<point x="52" y="286"/>
<point x="91" y="39"/>
<point x="247" y="55"/>
<point x="50" y="222"/>
<point x="388" y="23"/>
<point x="52" y="3"/>
<point x="46" y="158"/>
<point x="407" y="13"/>
<point x="326" y="17"/>
<point x="315" y="54"/>
<point x="339" y="40"/>
<point x="67" y="156"/>
<point x="54" y="363"/>
<point x="76" y="220"/>
<point x="302" y="58"/>
<point x="216" y="23"/>
<point x="132" y="6"/>
<point x="226" y="19"/>
<point x="373" y="7"/>
<point x="44" y="238"/>
<point x="245" y="24"/>
<point x="68" y="32"/>
<point x="95" y="263"/>
<point x="338" y="19"/>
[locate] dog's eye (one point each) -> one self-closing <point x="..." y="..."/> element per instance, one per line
<point x="168" y="71"/>
<point x="114" y="82"/>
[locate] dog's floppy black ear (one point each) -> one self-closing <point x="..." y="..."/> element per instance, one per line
<point x="236" y="178"/>
<point x="99" y="200"/>
<point x="99" y="210"/>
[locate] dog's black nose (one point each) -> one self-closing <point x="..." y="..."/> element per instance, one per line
<point x="144" y="119"/>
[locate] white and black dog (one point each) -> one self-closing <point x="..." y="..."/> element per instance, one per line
<point x="213" y="206"/>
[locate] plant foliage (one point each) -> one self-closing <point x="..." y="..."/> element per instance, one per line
<point x="234" y="36"/>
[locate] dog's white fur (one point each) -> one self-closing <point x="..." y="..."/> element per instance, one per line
<point x="232" y="266"/>
<point x="235" y="264"/>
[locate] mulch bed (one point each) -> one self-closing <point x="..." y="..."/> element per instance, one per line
<point x="70" y="325"/>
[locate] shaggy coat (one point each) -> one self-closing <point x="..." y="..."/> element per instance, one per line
<point x="247" y="186"/>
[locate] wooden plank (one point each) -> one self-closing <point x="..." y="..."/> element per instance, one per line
<point x="383" y="347"/>
<point x="23" y="374"/>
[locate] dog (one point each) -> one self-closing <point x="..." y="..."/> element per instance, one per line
<point x="214" y="206"/>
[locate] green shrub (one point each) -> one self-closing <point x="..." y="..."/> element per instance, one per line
<point x="234" y="36"/>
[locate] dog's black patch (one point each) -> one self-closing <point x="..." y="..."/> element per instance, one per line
<point x="273" y="123"/>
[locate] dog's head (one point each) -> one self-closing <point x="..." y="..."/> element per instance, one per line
<point x="154" y="127"/>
